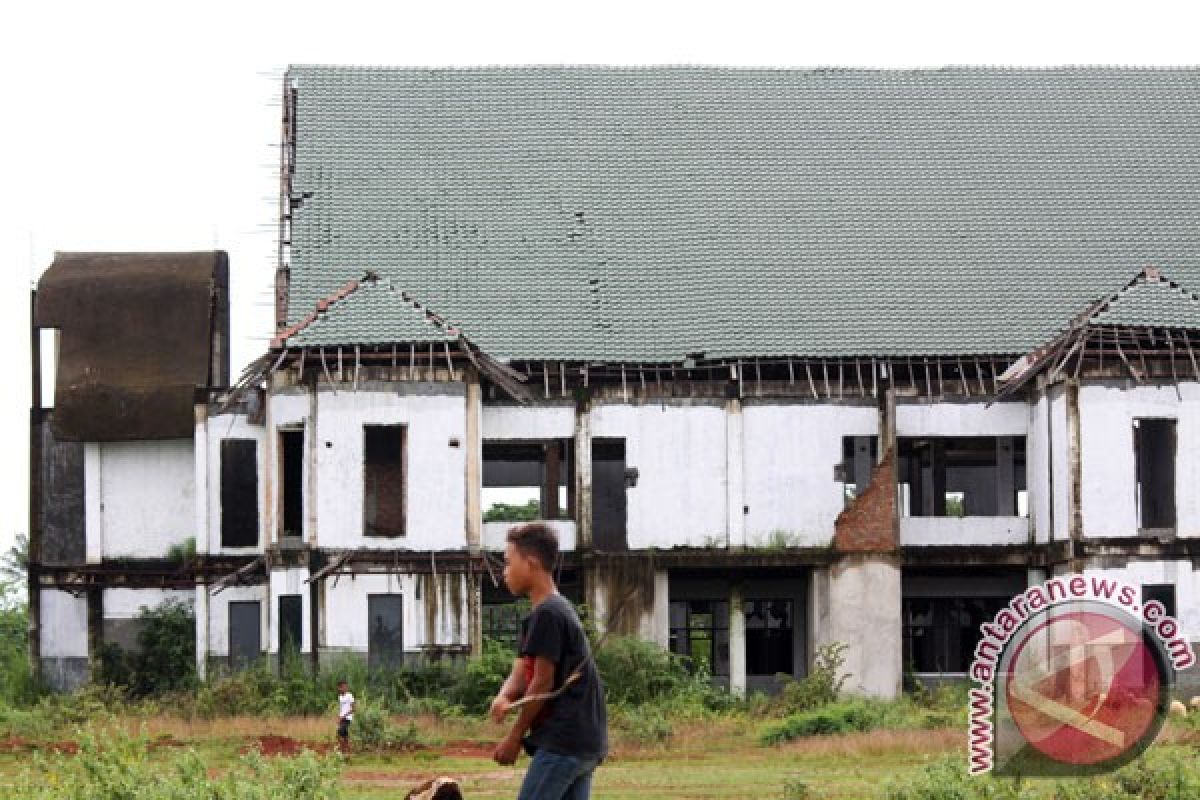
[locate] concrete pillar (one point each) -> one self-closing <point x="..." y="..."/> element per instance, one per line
<point x="474" y="454"/>
<point x="202" y="631"/>
<point x="583" y="475"/>
<point x="200" y="462"/>
<point x="1006" y="496"/>
<point x="737" y="640"/>
<point x="735" y="484"/>
<point x="93" y="503"/>
<point x="662" y="609"/>
<point x="857" y="602"/>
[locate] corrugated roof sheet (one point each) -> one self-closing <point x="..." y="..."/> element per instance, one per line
<point x="640" y="214"/>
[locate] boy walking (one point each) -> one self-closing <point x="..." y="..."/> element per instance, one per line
<point x="345" y="716"/>
<point x="567" y="735"/>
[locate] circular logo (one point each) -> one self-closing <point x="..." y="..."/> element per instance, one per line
<point x="1087" y="687"/>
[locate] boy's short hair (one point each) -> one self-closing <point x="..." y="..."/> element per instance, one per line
<point x="536" y="539"/>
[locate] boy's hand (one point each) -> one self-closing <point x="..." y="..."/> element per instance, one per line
<point x="500" y="707"/>
<point x="507" y="751"/>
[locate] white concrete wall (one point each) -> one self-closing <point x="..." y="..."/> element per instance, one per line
<point x="232" y="426"/>
<point x="1060" y="463"/>
<point x="289" y="581"/>
<point x="790" y="452"/>
<point x="494" y="533"/>
<point x="64" y="628"/>
<point x="139" y="497"/>
<point x="218" y="616"/>
<point x="435" y="503"/>
<point x="679" y="451"/>
<point x="962" y="419"/>
<point x="347" y="626"/>
<point x="1179" y="573"/>
<point x="1106" y="416"/>
<point x="925" y="531"/>
<point x="528" y="422"/>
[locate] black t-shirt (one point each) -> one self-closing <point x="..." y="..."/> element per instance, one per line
<point x="575" y="723"/>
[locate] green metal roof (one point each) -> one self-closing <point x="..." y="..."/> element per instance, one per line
<point x="1151" y="303"/>
<point x="641" y="214"/>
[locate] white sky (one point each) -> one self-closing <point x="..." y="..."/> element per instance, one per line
<point x="141" y="126"/>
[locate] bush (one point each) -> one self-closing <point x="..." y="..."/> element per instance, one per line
<point x="844" y="717"/>
<point x="18" y="688"/>
<point x="646" y="725"/>
<point x="820" y="686"/>
<point x="947" y="779"/>
<point x="482" y="678"/>
<point x="165" y="660"/>
<point x="373" y="729"/>
<point x="121" y="769"/>
<point x="637" y="672"/>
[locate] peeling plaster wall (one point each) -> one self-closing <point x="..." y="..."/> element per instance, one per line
<point x="284" y="582"/>
<point x="435" y="612"/>
<point x="857" y="601"/>
<point x="1106" y="415"/>
<point x="232" y="426"/>
<point x="1181" y="574"/>
<point x="679" y="452"/>
<point x="139" y="496"/>
<point x="288" y="409"/>
<point x="790" y="454"/>
<point x="435" y="481"/>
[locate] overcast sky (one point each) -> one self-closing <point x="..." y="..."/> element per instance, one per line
<point x="140" y="126"/>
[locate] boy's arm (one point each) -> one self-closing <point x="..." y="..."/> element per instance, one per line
<point x="542" y="683"/>
<point x="512" y="691"/>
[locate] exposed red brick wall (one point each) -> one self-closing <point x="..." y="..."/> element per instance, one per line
<point x="868" y="525"/>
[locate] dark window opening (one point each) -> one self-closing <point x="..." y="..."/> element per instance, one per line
<point x="700" y="633"/>
<point x="239" y="493"/>
<point x="245" y="634"/>
<point x="859" y="454"/>
<point x="291" y="446"/>
<point x="608" y="495"/>
<point x="940" y="633"/>
<point x="1154" y="454"/>
<point x="1163" y="593"/>
<point x="385" y="640"/>
<point x="978" y="476"/>
<point x="525" y="481"/>
<point x="291" y="624"/>
<point x="503" y="611"/>
<point x="769" y="640"/>
<point x="383" y="480"/>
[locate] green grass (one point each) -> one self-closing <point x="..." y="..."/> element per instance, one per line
<point x="717" y="757"/>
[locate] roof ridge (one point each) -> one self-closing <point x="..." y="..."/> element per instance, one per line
<point x="323" y="305"/>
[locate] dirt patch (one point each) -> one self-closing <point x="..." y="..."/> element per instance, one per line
<point x="466" y="749"/>
<point x="15" y="744"/>
<point x="270" y="745"/>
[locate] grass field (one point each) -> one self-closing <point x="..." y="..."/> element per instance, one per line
<point x="717" y="758"/>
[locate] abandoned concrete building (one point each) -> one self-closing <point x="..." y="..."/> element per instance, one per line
<point x="786" y="358"/>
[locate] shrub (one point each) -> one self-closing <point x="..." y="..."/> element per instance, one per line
<point x="482" y="678"/>
<point x="121" y="769"/>
<point x="637" y="672"/>
<point x="947" y="779"/>
<point x="165" y="660"/>
<point x="18" y="688"/>
<point x="646" y="725"/>
<point x="820" y="686"/>
<point x="844" y="717"/>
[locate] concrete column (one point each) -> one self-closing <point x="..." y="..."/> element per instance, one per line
<point x="1006" y="498"/>
<point x="857" y="602"/>
<point x="474" y="453"/>
<point x="737" y="640"/>
<point x="201" y="631"/>
<point x="200" y="461"/>
<point x="662" y="609"/>
<point x="93" y="503"/>
<point x="309" y="472"/>
<point x="583" y="475"/>
<point x="735" y="484"/>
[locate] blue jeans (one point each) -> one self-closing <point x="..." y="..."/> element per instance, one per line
<point x="552" y="776"/>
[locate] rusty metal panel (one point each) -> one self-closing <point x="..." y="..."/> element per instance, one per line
<point x="140" y="333"/>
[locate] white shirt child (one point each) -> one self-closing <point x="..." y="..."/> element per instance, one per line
<point x="346" y="705"/>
